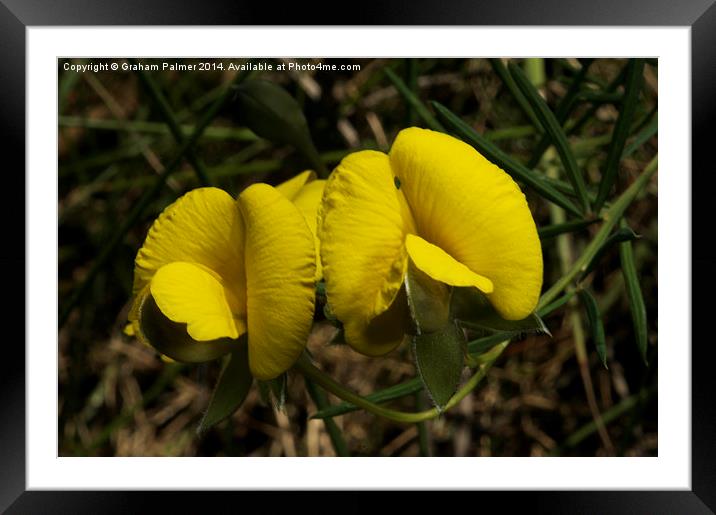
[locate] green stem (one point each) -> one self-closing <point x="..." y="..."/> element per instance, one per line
<point x="305" y="366"/>
<point x="321" y="401"/>
<point x="608" y="416"/>
<point x="611" y="218"/>
<point x="423" y="433"/>
<point x="155" y="128"/>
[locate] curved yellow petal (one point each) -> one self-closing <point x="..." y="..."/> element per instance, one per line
<point x="382" y="333"/>
<point x="307" y="201"/>
<point x="442" y="267"/>
<point x="190" y="294"/>
<point x="204" y="227"/>
<point x="280" y="280"/>
<point x="475" y="212"/>
<point x="362" y="228"/>
<point x="292" y="186"/>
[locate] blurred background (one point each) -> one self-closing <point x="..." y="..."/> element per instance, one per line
<point x="118" y="398"/>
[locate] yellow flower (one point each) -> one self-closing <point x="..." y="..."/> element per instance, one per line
<point x="227" y="267"/>
<point x="305" y="191"/>
<point x="436" y="201"/>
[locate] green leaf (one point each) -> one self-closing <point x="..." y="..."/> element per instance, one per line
<point x="550" y="231"/>
<point x="595" y="324"/>
<point x="428" y="300"/>
<point x="636" y="299"/>
<point x="172" y="339"/>
<point x="473" y="310"/>
<point x="564" y="108"/>
<point x="273" y="391"/>
<point x="509" y="82"/>
<point x="634" y="78"/>
<point x="556" y="304"/>
<point x="321" y="400"/>
<point x="554" y="129"/>
<point x="413" y="101"/>
<point x="620" y="235"/>
<point x="482" y="345"/>
<point x="642" y="137"/>
<point x="381" y="396"/>
<point x="270" y="112"/>
<point x="517" y="170"/>
<point x="440" y="358"/>
<point x="231" y="388"/>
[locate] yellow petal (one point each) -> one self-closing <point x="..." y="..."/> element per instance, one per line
<point x="190" y="294"/>
<point x="443" y="267"/>
<point x="203" y="227"/>
<point x="473" y="211"/>
<point x="382" y="333"/>
<point x="291" y="187"/>
<point x="129" y="329"/>
<point x="280" y="280"/>
<point x="362" y="230"/>
<point x="307" y="201"/>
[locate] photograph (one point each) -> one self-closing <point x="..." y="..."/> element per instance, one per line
<point x="365" y="257"/>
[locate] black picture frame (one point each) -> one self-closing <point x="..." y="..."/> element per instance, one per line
<point x="17" y="15"/>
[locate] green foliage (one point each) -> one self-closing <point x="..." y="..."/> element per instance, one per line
<point x="474" y="310"/>
<point x="439" y="359"/>
<point x="270" y="112"/>
<point x="595" y="324"/>
<point x="231" y="388"/>
<point x="428" y="300"/>
<point x="636" y="299"/>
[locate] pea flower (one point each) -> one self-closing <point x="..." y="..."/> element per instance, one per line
<point x="226" y="267"/>
<point x="433" y="200"/>
<point x="305" y="191"/>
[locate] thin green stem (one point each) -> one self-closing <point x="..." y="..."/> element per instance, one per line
<point x="608" y="416"/>
<point x="334" y="432"/>
<point x="155" y="128"/>
<point x="309" y="370"/>
<point x="423" y="433"/>
<point x="611" y="218"/>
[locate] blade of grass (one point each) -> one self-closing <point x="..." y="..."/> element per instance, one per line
<point x="156" y="128"/>
<point x="595" y="324"/>
<point x="611" y="217"/>
<point x="636" y="299"/>
<point x="634" y="78"/>
<point x="589" y="114"/>
<point x="166" y="111"/>
<point x="550" y="231"/>
<point x="423" y="433"/>
<point x="139" y="208"/>
<point x="321" y="400"/>
<point x="642" y="137"/>
<point x="397" y="391"/>
<point x="565" y="253"/>
<point x="554" y="129"/>
<point x="414" y="101"/>
<point x="507" y="79"/>
<point x="411" y="78"/>
<point x="607" y="417"/>
<point x="554" y="306"/>
<point x="620" y="235"/>
<point x="517" y="170"/>
<point x="564" y="108"/>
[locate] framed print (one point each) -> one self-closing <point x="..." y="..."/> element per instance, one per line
<point x="415" y="258"/>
